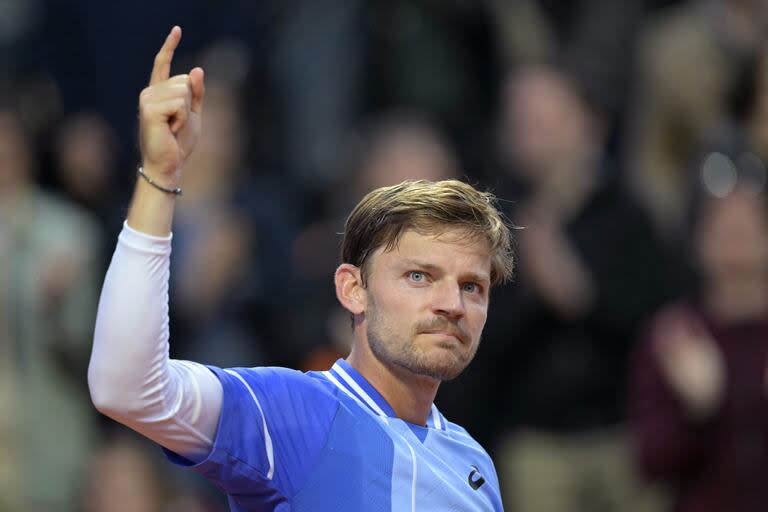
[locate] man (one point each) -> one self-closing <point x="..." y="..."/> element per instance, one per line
<point x="418" y="262"/>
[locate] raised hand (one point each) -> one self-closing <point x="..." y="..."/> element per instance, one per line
<point x="691" y="362"/>
<point x="170" y="111"/>
<point x="553" y="267"/>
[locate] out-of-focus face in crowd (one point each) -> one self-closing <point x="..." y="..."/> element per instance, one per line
<point x="407" y="151"/>
<point x="545" y="125"/>
<point x="85" y="152"/>
<point x="733" y="238"/>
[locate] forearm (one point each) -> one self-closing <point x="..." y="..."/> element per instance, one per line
<point x="131" y="378"/>
<point x="561" y="280"/>
<point x="571" y="288"/>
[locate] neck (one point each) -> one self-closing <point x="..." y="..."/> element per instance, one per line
<point x="410" y="395"/>
<point x="738" y="299"/>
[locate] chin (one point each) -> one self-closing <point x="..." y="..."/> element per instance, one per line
<point x="441" y="361"/>
<point x="440" y="367"/>
<point x="446" y="374"/>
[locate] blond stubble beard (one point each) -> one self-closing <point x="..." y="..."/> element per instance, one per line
<point x="406" y="354"/>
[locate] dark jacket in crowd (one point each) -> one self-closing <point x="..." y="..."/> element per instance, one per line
<point x="569" y="374"/>
<point x="716" y="464"/>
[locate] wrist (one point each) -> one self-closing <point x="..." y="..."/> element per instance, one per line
<point x="151" y="211"/>
<point x="166" y="174"/>
<point x="159" y="181"/>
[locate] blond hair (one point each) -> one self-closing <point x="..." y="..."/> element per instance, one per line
<point x="383" y="215"/>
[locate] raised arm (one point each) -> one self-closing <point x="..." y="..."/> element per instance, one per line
<point x="131" y="379"/>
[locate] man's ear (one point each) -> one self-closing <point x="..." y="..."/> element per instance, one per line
<point x="350" y="289"/>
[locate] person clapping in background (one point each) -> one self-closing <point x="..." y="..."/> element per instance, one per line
<point x="699" y="404"/>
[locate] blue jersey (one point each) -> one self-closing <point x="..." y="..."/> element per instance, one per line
<point x="328" y="441"/>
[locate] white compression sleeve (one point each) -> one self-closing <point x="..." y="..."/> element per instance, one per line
<point x="131" y="378"/>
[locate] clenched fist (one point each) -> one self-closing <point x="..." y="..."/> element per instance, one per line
<point x="170" y="111"/>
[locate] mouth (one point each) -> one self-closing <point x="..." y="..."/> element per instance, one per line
<point x="446" y="334"/>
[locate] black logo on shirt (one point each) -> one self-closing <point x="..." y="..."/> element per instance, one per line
<point x="475" y="479"/>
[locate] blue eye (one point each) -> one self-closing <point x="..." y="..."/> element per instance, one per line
<point x="417" y="276"/>
<point x="471" y="287"/>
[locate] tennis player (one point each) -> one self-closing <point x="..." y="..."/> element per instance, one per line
<point x="418" y="261"/>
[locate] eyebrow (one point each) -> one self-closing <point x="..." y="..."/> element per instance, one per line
<point x="408" y="262"/>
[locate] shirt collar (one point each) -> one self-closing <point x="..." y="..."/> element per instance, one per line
<point x="344" y="376"/>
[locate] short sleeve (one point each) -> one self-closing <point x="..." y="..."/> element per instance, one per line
<point x="274" y="423"/>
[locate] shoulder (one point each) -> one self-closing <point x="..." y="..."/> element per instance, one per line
<point x="56" y="208"/>
<point x="283" y="398"/>
<point x="274" y="420"/>
<point x="275" y="383"/>
<point x="56" y="221"/>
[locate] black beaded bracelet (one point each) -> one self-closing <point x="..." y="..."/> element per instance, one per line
<point x="175" y="191"/>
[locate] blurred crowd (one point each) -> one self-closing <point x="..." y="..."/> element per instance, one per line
<point x="625" y="369"/>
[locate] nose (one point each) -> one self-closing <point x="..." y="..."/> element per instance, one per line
<point x="448" y="301"/>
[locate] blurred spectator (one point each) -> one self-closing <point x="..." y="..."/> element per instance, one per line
<point x="85" y="160"/>
<point x="85" y="154"/>
<point x="232" y="232"/>
<point x="689" y="56"/>
<point x="589" y="38"/>
<point x="47" y="308"/>
<point x="700" y="377"/>
<point x="589" y="271"/>
<point x="436" y="56"/>
<point x="401" y="146"/>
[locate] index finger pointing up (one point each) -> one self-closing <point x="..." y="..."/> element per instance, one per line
<point x="162" y="67"/>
